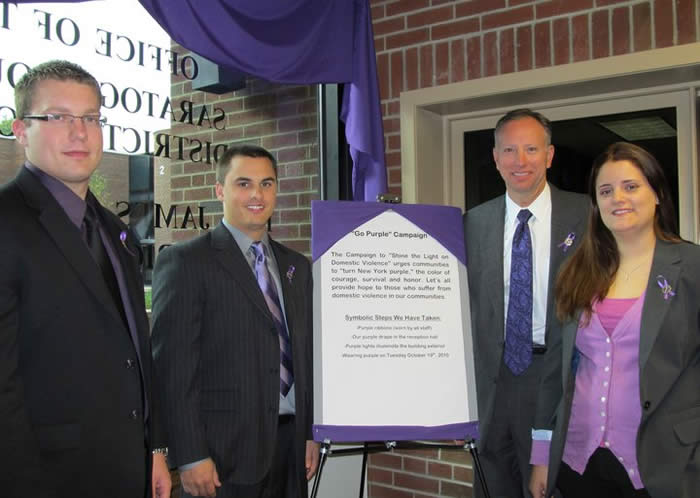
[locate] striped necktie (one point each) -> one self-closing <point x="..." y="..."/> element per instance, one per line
<point x="269" y="290"/>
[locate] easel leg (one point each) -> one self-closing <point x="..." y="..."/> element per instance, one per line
<point x="363" y="470"/>
<point x="471" y="446"/>
<point x="325" y="450"/>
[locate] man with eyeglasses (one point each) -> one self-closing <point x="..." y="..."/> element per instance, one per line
<point x="77" y="418"/>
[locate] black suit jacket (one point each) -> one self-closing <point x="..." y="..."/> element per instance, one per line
<point x="216" y="353"/>
<point x="71" y="409"/>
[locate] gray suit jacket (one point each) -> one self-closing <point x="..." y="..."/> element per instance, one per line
<point x="216" y="353"/>
<point x="483" y="227"/>
<point x="668" y="441"/>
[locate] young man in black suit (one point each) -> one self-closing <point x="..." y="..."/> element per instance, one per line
<point x="232" y="346"/>
<point x="76" y="415"/>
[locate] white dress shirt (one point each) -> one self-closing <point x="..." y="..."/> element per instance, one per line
<point x="540" y="224"/>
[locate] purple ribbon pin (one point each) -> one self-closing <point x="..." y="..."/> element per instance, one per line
<point x="290" y="273"/>
<point x="122" y="238"/>
<point x="666" y="288"/>
<point x="568" y="241"/>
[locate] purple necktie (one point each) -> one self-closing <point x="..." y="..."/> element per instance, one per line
<point x="269" y="290"/>
<point x="518" y="350"/>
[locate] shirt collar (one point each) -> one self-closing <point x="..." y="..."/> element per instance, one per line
<point x="73" y="205"/>
<point x="244" y="242"/>
<point x="539" y="208"/>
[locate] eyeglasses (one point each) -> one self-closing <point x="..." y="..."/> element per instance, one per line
<point x="89" y="120"/>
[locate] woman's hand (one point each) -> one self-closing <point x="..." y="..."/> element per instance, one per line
<point x="538" y="480"/>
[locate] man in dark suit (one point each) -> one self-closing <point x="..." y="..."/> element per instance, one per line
<point x="76" y="415"/>
<point x="534" y="226"/>
<point x="232" y="346"/>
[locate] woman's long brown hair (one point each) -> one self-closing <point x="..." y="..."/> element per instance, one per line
<point x="589" y="273"/>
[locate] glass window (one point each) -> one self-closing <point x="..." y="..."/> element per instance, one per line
<point x="167" y="121"/>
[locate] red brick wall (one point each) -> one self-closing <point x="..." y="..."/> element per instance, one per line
<point x="281" y="118"/>
<point x="420" y="473"/>
<point x="425" y="43"/>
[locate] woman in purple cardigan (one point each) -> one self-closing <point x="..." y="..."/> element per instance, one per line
<point x="619" y="406"/>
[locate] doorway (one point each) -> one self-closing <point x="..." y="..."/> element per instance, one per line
<point x="441" y="166"/>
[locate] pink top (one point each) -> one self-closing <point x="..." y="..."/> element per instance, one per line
<point x="611" y="310"/>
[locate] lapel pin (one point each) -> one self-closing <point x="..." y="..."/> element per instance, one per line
<point x="290" y="273"/>
<point x="568" y="241"/>
<point x="666" y="288"/>
<point x="122" y="238"/>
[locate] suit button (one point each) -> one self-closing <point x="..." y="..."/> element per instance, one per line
<point x="647" y="404"/>
<point x="130" y="363"/>
<point x="133" y="415"/>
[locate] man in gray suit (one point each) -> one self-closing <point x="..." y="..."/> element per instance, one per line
<point x="232" y="346"/>
<point x="534" y="226"/>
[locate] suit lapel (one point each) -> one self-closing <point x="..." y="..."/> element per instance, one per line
<point x="285" y="268"/>
<point x="493" y="266"/>
<point x="568" y="341"/>
<point x="560" y="232"/>
<point x="563" y="229"/>
<point x="126" y="253"/>
<point x="664" y="269"/>
<point x="67" y="238"/>
<point x="230" y="257"/>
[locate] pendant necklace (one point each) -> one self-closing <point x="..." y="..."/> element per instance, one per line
<point x="627" y="275"/>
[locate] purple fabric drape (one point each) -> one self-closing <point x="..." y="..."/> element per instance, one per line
<point x="362" y="115"/>
<point x="293" y="42"/>
<point x="333" y="220"/>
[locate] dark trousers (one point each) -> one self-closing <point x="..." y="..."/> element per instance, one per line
<point x="603" y="477"/>
<point x="505" y="454"/>
<point x="282" y="480"/>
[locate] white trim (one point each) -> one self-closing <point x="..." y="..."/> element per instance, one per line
<point x="433" y="119"/>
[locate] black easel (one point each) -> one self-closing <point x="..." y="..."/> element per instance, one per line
<point x="378" y="447"/>
<point x="325" y="450"/>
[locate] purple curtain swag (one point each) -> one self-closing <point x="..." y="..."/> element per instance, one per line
<point x="293" y="42"/>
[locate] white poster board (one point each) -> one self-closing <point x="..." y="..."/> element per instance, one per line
<point x="393" y="352"/>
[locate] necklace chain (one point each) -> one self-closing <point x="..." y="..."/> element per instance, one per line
<point x="629" y="273"/>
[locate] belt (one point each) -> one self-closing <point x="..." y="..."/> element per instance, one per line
<point x="539" y="349"/>
<point x="285" y="419"/>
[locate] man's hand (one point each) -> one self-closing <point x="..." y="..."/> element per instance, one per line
<point x="201" y="480"/>
<point x="538" y="480"/>
<point x="160" y="478"/>
<point x="311" y="460"/>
